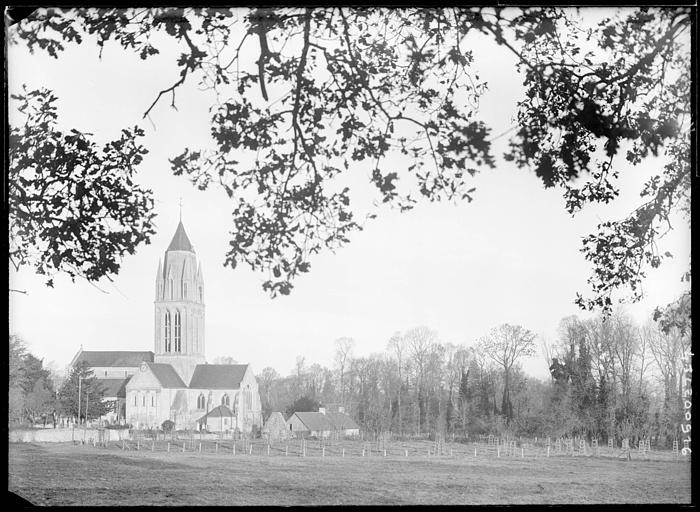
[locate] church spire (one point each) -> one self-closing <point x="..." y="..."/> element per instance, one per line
<point x="180" y="241"/>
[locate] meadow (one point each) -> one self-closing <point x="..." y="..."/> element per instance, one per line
<point x="335" y="474"/>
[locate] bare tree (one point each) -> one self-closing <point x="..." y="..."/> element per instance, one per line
<point x="419" y="341"/>
<point x="265" y="381"/>
<point x="397" y="344"/>
<point x="504" y="345"/>
<point x="667" y="349"/>
<point x="343" y="353"/>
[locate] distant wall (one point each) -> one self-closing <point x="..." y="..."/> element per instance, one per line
<point x="63" y="435"/>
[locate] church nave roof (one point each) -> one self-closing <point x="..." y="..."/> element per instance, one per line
<point x="218" y="376"/>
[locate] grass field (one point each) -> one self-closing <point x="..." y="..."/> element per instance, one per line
<point x="68" y="474"/>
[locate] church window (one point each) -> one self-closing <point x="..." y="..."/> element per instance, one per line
<point x="200" y="294"/>
<point x="105" y="373"/>
<point x="153" y="401"/>
<point x="168" y="348"/>
<point x="135" y="404"/>
<point x="143" y="400"/>
<point x="178" y="346"/>
<point x="225" y="400"/>
<point x="201" y="403"/>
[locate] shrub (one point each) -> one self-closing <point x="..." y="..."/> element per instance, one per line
<point x="118" y="427"/>
<point x="168" y="426"/>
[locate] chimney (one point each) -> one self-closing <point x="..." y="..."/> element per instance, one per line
<point x="322" y="410"/>
<point x="341" y="410"/>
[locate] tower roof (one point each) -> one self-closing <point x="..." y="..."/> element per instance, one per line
<point x="180" y="242"/>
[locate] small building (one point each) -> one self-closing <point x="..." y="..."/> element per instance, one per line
<point x="322" y="424"/>
<point x="343" y="425"/>
<point x="219" y="419"/>
<point x="275" y="427"/>
<point x="311" y="424"/>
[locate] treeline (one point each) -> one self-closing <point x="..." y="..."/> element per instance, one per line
<point x="36" y="392"/>
<point x="608" y="377"/>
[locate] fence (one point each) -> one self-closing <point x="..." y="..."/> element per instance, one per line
<point x="493" y="448"/>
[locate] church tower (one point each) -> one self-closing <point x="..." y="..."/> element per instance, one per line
<point x="179" y="307"/>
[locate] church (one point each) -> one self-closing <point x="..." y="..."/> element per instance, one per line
<point x="174" y="382"/>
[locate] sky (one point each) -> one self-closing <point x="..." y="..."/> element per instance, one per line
<point x="512" y="255"/>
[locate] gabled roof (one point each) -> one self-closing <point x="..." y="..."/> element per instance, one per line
<point x="274" y="423"/>
<point x="314" y="420"/>
<point x="341" y="421"/>
<point x="218" y="376"/>
<point x="114" y="387"/>
<point x="180" y="242"/>
<point x="166" y="375"/>
<point x="112" y="358"/>
<point x="217" y="412"/>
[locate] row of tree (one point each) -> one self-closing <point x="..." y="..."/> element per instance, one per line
<point x="608" y="377"/>
<point x="37" y="392"/>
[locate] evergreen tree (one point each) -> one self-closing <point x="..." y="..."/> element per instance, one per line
<point x="91" y="398"/>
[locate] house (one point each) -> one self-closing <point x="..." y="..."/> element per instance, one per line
<point x="322" y="424"/>
<point x="219" y="419"/>
<point x="309" y="424"/>
<point x="275" y="427"/>
<point x="343" y="425"/>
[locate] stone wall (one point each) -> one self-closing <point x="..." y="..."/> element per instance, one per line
<point x="64" y="435"/>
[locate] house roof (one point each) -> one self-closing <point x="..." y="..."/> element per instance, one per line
<point x="314" y="420"/>
<point x="114" y="387"/>
<point x="276" y="419"/>
<point x="220" y="411"/>
<point x="166" y="375"/>
<point x="341" y="421"/>
<point x="180" y="241"/>
<point x="112" y="358"/>
<point x="218" y="376"/>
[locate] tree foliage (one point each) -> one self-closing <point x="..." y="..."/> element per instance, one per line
<point x="335" y="89"/>
<point x="30" y="386"/>
<point x="302" y="404"/>
<point x="73" y="206"/>
<point x="82" y="380"/>
<point x="505" y="345"/>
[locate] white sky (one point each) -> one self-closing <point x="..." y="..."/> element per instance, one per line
<point x="512" y="255"/>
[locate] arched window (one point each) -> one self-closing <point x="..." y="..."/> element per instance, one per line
<point x="178" y="346"/>
<point x="153" y="401"/>
<point x="200" y="294"/>
<point x="168" y="347"/>
<point x="225" y="400"/>
<point x="201" y="402"/>
<point x="144" y="400"/>
<point x="135" y="404"/>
